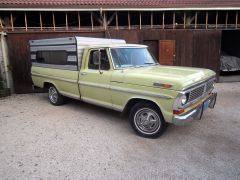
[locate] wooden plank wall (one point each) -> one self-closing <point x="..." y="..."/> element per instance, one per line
<point x="193" y="48"/>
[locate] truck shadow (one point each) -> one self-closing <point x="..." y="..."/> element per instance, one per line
<point x="122" y="122"/>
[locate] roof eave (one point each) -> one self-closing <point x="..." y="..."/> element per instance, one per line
<point x="104" y="8"/>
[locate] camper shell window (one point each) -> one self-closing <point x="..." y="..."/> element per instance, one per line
<point x="52" y="57"/>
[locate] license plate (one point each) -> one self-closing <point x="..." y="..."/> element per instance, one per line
<point x="206" y="104"/>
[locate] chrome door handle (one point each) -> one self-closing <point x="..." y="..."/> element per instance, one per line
<point x="83" y="73"/>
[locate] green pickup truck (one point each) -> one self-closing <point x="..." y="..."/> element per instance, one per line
<point x="123" y="77"/>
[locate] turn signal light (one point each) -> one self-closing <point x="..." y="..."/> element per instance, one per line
<point x="177" y="112"/>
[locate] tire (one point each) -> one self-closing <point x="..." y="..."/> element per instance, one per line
<point x="147" y="120"/>
<point x="54" y="96"/>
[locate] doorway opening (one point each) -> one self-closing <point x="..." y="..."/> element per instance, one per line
<point x="230" y="56"/>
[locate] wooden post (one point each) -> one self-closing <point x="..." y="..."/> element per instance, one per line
<point x="140" y="20"/>
<point x="217" y="20"/>
<point x="116" y="20"/>
<point x="151" y="20"/>
<point x="26" y="26"/>
<point x="54" y="25"/>
<point x="104" y="21"/>
<point x="226" y="20"/>
<point x="12" y="22"/>
<point x="184" y="20"/>
<point x="40" y="19"/>
<point x="92" y="21"/>
<point x="129" y="21"/>
<point x="174" y="19"/>
<point x="1" y="24"/>
<point x="196" y="18"/>
<point x="236" y="19"/>
<point x="66" y="22"/>
<point x="206" y="26"/>
<point x="79" y="21"/>
<point x="163" y="24"/>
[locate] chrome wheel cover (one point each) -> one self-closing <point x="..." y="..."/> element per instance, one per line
<point x="147" y="121"/>
<point x="53" y="95"/>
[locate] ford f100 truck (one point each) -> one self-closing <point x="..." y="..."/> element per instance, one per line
<point x="123" y="77"/>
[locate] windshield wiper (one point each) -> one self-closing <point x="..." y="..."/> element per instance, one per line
<point x="151" y="63"/>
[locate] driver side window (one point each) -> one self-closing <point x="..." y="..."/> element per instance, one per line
<point x="94" y="60"/>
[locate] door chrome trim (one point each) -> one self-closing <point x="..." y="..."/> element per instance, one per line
<point x="54" y="77"/>
<point x="94" y="85"/>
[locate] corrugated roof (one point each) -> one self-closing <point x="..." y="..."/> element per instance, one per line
<point x="118" y="3"/>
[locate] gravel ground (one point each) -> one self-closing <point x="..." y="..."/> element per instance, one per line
<point x="81" y="141"/>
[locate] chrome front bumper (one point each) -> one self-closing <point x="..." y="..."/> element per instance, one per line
<point x="196" y="113"/>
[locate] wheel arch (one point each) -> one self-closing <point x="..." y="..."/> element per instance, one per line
<point x="47" y="84"/>
<point x="131" y="102"/>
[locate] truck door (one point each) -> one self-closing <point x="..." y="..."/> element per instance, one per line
<point x="94" y="78"/>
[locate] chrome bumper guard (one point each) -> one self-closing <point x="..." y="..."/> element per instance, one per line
<point x="195" y="114"/>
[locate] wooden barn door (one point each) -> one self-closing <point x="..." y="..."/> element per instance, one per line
<point x="166" y="52"/>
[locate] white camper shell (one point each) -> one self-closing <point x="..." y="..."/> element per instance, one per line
<point x="71" y="48"/>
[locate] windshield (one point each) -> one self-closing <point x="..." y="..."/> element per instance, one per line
<point x="132" y="57"/>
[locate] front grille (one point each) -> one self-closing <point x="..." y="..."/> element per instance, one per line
<point x="209" y="85"/>
<point x="196" y="93"/>
<point x="200" y="90"/>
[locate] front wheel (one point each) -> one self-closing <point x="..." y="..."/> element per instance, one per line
<point x="147" y="120"/>
<point x="54" y="97"/>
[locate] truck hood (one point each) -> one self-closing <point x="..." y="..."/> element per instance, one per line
<point x="179" y="77"/>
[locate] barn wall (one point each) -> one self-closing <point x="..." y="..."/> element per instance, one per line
<point x="193" y="48"/>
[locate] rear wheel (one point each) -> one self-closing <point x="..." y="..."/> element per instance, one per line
<point x="147" y="120"/>
<point x="54" y="97"/>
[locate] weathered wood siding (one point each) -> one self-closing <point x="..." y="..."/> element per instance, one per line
<point x="193" y="48"/>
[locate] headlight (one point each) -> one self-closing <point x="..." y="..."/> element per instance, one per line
<point x="183" y="99"/>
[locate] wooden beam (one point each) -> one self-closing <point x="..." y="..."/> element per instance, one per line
<point x="25" y="17"/>
<point x="206" y="25"/>
<point x="226" y="20"/>
<point x="151" y="20"/>
<point x="217" y="20"/>
<point x="40" y="19"/>
<point x="53" y="18"/>
<point x="236" y="19"/>
<point x="174" y="19"/>
<point x="140" y="20"/>
<point x="79" y="21"/>
<point x="163" y="19"/>
<point x="92" y="20"/>
<point x="116" y="20"/>
<point x="12" y="22"/>
<point x="196" y="19"/>
<point x="129" y="21"/>
<point x="66" y="22"/>
<point x="184" y="20"/>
